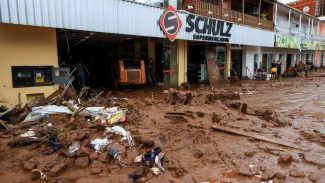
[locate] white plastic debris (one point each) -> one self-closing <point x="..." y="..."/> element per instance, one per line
<point x="43" y="111"/>
<point x="120" y="131"/>
<point x="268" y="181"/>
<point x="42" y="175"/>
<point x="73" y="149"/>
<point x="93" y="111"/>
<point x="138" y="159"/>
<point x="99" y="144"/>
<point x="29" y="133"/>
<point x="102" y="113"/>
<point x="155" y="170"/>
<point x="158" y="161"/>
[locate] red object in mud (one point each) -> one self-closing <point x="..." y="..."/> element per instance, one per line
<point x="170" y="23"/>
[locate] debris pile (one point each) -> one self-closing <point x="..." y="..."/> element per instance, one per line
<point x="272" y="117"/>
<point x="78" y="135"/>
<point x="196" y="97"/>
<point x="290" y="72"/>
<point x="190" y="136"/>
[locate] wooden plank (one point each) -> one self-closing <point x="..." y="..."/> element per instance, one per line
<point x="257" y="137"/>
<point x="29" y="122"/>
<point x="3" y="124"/>
<point x="9" y="110"/>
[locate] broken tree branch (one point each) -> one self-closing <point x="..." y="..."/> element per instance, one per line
<point x="66" y="88"/>
<point x="256" y="137"/>
<point x="76" y="113"/>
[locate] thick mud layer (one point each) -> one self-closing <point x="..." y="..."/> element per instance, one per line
<point x="252" y="132"/>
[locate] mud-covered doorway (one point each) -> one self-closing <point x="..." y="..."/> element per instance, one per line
<point x="196" y="67"/>
<point x="289" y="61"/>
<point x="99" y="58"/>
<point x="236" y="60"/>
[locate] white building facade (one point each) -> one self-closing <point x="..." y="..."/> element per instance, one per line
<point x="298" y="37"/>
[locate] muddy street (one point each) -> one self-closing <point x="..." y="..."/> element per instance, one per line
<point x="251" y="132"/>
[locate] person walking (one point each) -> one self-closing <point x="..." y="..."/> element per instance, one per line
<point x="273" y="70"/>
<point x="307" y="68"/>
<point x="279" y="69"/>
<point x="81" y="74"/>
<point x="150" y="72"/>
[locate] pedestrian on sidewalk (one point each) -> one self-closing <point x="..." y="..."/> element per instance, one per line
<point x="82" y="70"/>
<point x="279" y="69"/>
<point x="273" y="70"/>
<point x="307" y="68"/>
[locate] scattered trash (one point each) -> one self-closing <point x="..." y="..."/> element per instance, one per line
<point x="114" y="153"/>
<point x="120" y="131"/>
<point x="73" y="149"/>
<point x="155" y="170"/>
<point x="138" y="159"/>
<point x="42" y="175"/>
<point x="29" y="133"/>
<point x="44" y="111"/>
<point x="27" y="141"/>
<point x="139" y="172"/>
<point x="118" y="118"/>
<point x="158" y="161"/>
<point x="113" y="115"/>
<point x="46" y="124"/>
<point x="99" y="144"/>
<point x="253" y="168"/>
<point x="152" y="159"/>
<point x="268" y="181"/>
<point x="55" y="146"/>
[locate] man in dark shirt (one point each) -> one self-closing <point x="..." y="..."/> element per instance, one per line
<point x="279" y="69"/>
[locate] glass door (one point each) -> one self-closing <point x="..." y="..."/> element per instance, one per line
<point x="170" y="63"/>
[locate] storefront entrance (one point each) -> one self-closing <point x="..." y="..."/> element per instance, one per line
<point x="289" y="60"/>
<point x="236" y="60"/>
<point x="196" y="67"/>
<point x="198" y="56"/>
<point x="114" y="61"/>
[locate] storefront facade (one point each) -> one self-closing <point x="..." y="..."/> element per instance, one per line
<point x="299" y="37"/>
<point x="219" y="37"/>
<point x="22" y="46"/>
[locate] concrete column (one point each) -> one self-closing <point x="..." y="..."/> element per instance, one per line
<point x="308" y="29"/>
<point x="152" y="53"/>
<point x="289" y="19"/>
<point x="312" y="27"/>
<point x="228" y="60"/>
<point x="276" y="14"/>
<point x="151" y="49"/>
<point x="137" y="51"/>
<point x="300" y="23"/>
<point x="182" y="61"/>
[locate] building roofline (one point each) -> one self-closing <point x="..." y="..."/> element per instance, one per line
<point x="287" y="6"/>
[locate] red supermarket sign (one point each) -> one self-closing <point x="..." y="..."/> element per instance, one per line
<point x="170" y="23"/>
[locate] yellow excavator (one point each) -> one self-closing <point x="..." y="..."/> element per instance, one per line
<point x="131" y="76"/>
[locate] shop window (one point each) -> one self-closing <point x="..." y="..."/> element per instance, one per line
<point x="27" y="76"/>
<point x="221" y="59"/>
